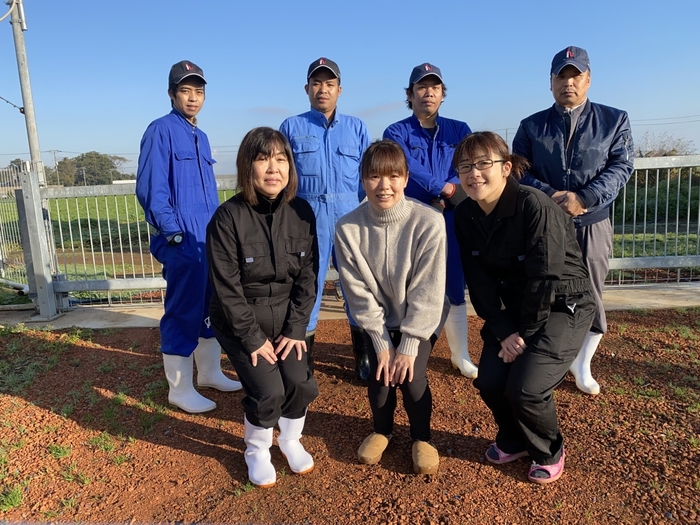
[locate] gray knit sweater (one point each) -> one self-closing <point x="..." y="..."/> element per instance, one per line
<point x="392" y="267"/>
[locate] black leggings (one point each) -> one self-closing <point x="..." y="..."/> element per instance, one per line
<point x="417" y="399"/>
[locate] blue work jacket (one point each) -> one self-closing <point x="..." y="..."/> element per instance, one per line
<point x="327" y="155"/>
<point x="429" y="159"/>
<point x="175" y="181"/>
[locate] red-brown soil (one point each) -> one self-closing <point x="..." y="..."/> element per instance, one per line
<point x="91" y="439"/>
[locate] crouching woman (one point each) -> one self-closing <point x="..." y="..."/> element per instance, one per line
<point x="391" y="259"/>
<point x="528" y="283"/>
<point x="262" y="252"/>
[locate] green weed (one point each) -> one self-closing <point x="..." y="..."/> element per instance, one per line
<point x="107" y="367"/>
<point x="59" y="451"/>
<point x="103" y="442"/>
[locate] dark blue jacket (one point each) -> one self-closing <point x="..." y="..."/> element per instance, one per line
<point x="597" y="164"/>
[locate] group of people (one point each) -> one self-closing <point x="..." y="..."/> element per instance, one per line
<point x="410" y="222"/>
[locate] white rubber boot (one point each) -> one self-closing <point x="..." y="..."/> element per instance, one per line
<point x="178" y="372"/>
<point x="456" y="332"/>
<point x="258" y="440"/>
<point x="300" y="461"/>
<point x="581" y="367"/>
<point x="207" y="355"/>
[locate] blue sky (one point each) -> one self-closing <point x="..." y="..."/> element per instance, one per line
<point x="99" y="68"/>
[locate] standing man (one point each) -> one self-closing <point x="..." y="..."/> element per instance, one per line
<point x="327" y="148"/>
<point x="581" y="155"/>
<point x="429" y="141"/>
<point x="176" y="187"/>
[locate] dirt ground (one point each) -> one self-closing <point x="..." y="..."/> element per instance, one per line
<point x="87" y="436"/>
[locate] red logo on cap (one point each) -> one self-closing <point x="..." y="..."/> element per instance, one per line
<point x="569" y="53"/>
<point x="427" y="67"/>
<point x="321" y="61"/>
<point x="188" y="67"/>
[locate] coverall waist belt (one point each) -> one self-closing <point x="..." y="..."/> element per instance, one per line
<point x="329" y="197"/>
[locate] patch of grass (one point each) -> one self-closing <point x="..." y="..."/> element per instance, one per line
<point x="618" y="390"/>
<point x="147" y="371"/>
<point x="66" y="410"/>
<point x="68" y="503"/>
<point x="617" y="378"/>
<point x="245" y="488"/>
<point x="694" y="442"/>
<point x="694" y="408"/>
<point x="622" y="328"/>
<point x="149" y="419"/>
<point x="155" y="389"/>
<point x="651" y="393"/>
<point x="639" y="381"/>
<point x="107" y="367"/>
<point x="120" y="459"/>
<point x="59" y="451"/>
<point x="103" y="442"/>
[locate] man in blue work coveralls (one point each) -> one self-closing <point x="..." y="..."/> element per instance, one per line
<point x="176" y="187"/>
<point x="429" y="141"/>
<point x="327" y="149"/>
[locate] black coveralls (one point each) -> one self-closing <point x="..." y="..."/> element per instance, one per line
<point x="263" y="263"/>
<point x="524" y="272"/>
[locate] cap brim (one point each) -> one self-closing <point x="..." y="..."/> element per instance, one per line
<point x="319" y="67"/>
<point x="427" y="74"/>
<point x="578" y="65"/>
<point x="188" y="75"/>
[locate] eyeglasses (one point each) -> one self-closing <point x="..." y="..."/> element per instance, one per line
<point x="480" y="165"/>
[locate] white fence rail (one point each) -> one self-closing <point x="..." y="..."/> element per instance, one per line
<point x="97" y="241"/>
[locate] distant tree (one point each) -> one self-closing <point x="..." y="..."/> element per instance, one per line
<point x="663" y="145"/>
<point x="16" y="164"/>
<point x="94" y="168"/>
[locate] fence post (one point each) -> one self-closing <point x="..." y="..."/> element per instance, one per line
<point x="39" y="259"/>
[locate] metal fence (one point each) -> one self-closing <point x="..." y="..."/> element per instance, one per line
<point x="95" y="241"/>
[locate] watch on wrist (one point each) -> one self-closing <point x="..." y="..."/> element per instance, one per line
<point x="175" y="239"/>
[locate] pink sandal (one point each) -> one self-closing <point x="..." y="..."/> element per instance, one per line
<point x="546" y="473"/>
<point x="498" y="457"/>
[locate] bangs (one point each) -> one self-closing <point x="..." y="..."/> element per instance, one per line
<point x="479" y="144"/>
<point x="384" y="157"/>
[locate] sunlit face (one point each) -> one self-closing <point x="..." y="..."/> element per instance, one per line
<point x="485" y="185"/>
<point x="188" y="98"/>
<point x="384" y="191"/>
<point x="271" y="173"/>
<point x="426" y="95"/>
<point x="323" y="90"/>
<point x="570" y="86"/>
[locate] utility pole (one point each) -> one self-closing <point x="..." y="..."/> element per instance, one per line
<point x="19" y="24"/>
<point x="55" y="166"/>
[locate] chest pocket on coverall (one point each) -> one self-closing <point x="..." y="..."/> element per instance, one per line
<point x="306" y="156"/>
<point x="350" y="161"/>
<point x="297" y="250"/>
<point x="255" y="264"/>
<point x="186" y="169"/>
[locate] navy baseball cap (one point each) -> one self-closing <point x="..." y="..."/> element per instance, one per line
<point x="184" y="69"/>
<point x="323" y="62"/>
<point x="422" y="71"/>
<point x="571" y="56"/>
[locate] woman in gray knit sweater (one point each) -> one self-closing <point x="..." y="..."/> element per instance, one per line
<point x="391" y="259"/>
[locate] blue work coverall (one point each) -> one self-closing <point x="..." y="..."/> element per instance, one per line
<point x="176" y="187"/>
<point x="327" y="158"/>
<point x="429" y="169"/>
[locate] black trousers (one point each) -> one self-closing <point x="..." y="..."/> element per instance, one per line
<point x="417" y="399"/>
<point x="520" y="394"/>
<point x="284" y="389"/>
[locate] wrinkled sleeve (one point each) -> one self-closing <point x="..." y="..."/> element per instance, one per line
<point x="483" y="289"/>
<point x="602" y="189"/>
<point x="225" y="278"/>
<point x="418" y="173"/>
<point x="425" y="294"/>
<point x="358" y="282"/>
<point x="305" y="286"/>
<point x="153" y="182"/>
<point x="522" y="145"/>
